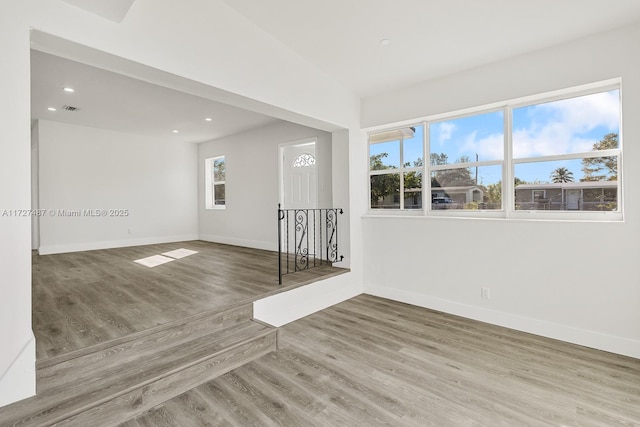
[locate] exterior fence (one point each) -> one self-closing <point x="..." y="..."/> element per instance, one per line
<point x="307" y="238"/>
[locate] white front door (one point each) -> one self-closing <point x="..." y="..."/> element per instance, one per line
<point x="299" y="186"/>
<point x="573" y="199"/>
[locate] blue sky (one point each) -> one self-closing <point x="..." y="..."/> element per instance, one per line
<point x="559" y="127"/>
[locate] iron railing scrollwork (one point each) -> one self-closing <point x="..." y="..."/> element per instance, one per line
<point x="307" y="238"/>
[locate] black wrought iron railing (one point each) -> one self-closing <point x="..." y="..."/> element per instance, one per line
<point x="307" y="238"/>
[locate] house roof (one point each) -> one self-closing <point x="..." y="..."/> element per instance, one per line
<point x="568" y="185"/>
<point x="457" y="188"/>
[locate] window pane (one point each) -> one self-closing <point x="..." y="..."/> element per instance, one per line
<point x="467" y="139"/>
<point x="385" y="155"/>
<point x="566" y="185"/>
<point x="574" y="170"/>
<point x="218" y="194"/>
<point x="219" y="170"/>
<point x="460" y="189"/>
<point x="413" y="190"/>
<point x="385" y="191"/>
<point x="575" y="125"/>
<point x="412" y="154"/>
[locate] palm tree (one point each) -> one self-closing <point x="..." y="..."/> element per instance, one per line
<point x="562" y="175"/>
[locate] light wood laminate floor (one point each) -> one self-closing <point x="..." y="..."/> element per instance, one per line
<point x="82" y="299"/>
<point x="371" y="362"/>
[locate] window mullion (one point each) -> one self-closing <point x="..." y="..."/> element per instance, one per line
<point x="401" y="172"/>
<point x="508" y="184"/>
<point x="426" y="169"/>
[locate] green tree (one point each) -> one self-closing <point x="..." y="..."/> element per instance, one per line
<point x="219" y="169"/>
<point x="413" y="179"/>
<point x="493" y="194"/>
<point x="382" y="185"/>
<point x="561" y="174"/>
<point x="602" y="168"/>
<point x="438" y="159"/>
<point x="458" y="177"/>
<point x="376" y="163"/>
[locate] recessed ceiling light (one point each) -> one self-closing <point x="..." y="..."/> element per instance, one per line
<point x="385" y="42"/>
<point x="208" y="119"/>
<point x="175" y="131"/>
<point x="69" y="89"/>
<point x="51" y="109"/>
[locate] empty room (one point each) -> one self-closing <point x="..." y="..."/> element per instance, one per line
<point x="166" y="162"/>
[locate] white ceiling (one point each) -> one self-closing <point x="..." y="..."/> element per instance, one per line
<point x="115" y="10"/>
<point x="429" y="38"/>
<point x="107" y="100"/>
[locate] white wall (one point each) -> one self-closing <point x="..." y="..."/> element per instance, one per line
<point x="576" y="281"/>
<point x="201" y="40"/>
<point x="15" y="245"/>
<point x="84" y="168"/>
<point x="252" y="192"/>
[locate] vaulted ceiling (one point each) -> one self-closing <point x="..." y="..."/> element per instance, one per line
<point x="426" y="38"/>
<point x="369" y="46"/>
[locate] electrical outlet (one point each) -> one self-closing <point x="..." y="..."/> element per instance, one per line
<point x="484" y="293"/>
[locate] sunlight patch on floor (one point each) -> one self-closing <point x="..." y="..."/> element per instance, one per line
<point x="179" y="253"/>
<point x="155" y="260"/>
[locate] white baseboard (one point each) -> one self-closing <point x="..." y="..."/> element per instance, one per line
<point x="19" y="381"/>
<point x="254" y="244"/>
<point x="597" y="340"/>
<point x="285" y="307"/>
<point x="92" y="246"/>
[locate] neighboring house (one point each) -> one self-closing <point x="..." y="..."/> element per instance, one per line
<point x="460" y="195"/>
<point x="583" y="196"/>
<point x="413" y="197"/>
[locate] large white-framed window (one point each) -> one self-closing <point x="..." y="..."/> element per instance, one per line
<point x="215" y="182"/>
<point x="552" y="156"/>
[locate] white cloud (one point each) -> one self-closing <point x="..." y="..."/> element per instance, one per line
<point x="445" y="130"/>
<point x="490" y="147"/>
<point x="563" y="126"/>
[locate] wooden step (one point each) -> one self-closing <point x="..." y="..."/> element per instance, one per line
<point x="57" y="370"/>
<point x="121" y="381"/>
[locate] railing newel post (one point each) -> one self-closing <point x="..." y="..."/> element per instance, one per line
<point x="280" y="218"/>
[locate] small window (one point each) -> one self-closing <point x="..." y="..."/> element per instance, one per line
<point x="304" y="160"/>
<point x="538" y="195"/>
<point x="215" y="176"/>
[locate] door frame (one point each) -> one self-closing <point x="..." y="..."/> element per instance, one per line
<point x="281" y="148"/>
